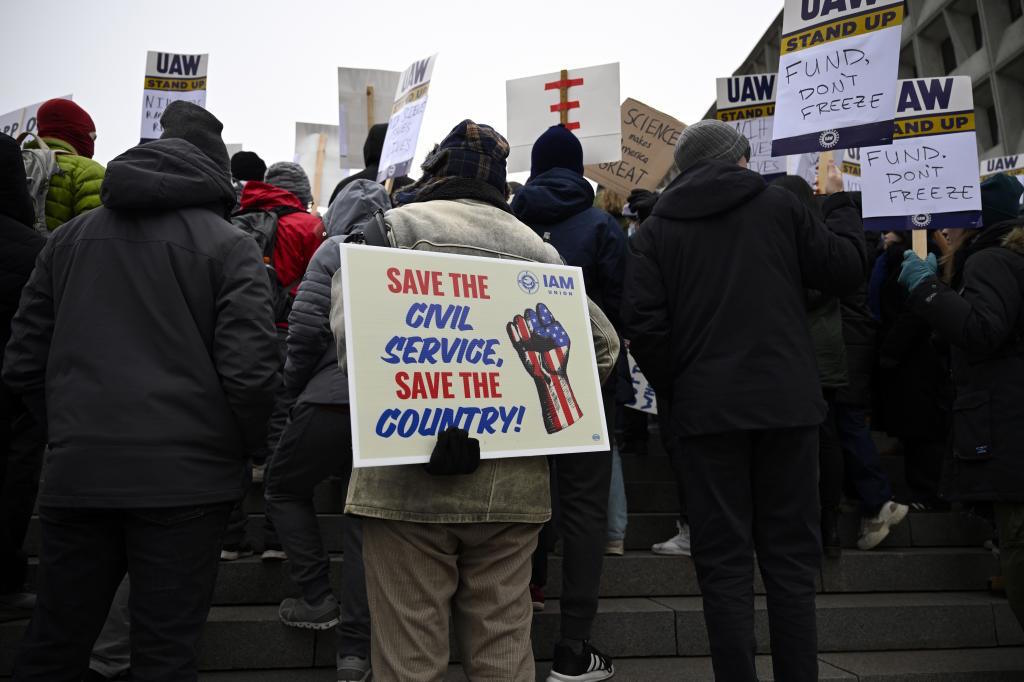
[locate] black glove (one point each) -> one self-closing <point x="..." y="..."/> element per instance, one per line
<point x="455" y="454"/>
<point x="641" y="202"/>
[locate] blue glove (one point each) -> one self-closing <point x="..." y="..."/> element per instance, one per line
<point x="915" y="270"/>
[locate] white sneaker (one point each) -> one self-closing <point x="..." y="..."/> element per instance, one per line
<point x="679" y="545"/>
<point x="875" y="529"/>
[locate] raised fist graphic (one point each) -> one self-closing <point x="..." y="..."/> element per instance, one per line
<point x="543" y="346"/>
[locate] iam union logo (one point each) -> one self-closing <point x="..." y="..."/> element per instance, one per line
<point x="528" y="282"/>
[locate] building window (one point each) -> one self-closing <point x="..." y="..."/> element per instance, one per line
<point x="1016" y="9"/>
<point x="993" y="124"/>
<point x="979" y="40"/>
<point x="948" y="55"/>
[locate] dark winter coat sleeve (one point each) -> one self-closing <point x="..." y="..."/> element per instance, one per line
<point x="984" y="317"/>
<point x="832" y="256"/>
<point x="645" y="315"/>
<point x="245" y="348"/>
<point x="24" y="366"/>
<point x="309" y="323"/>
<point x="611" y="266"/>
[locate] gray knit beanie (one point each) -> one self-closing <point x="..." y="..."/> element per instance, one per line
<point x="291" y="178"/>
<point x="710" y="140"/>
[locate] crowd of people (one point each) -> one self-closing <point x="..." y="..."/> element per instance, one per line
<point x="174" y="334"/>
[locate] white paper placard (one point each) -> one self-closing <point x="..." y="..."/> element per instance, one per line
<point x="170" y="77"/>
<point x="308" y="137"/>
<point x="406" y="119"/>
<point x="644" y="399"/>
<point x="356" y="89"/>
<point x="22" y="120"/>
<point x="747" y="103"/>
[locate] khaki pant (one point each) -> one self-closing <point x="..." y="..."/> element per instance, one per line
<point x="1010" y="521"/>
<point x="479" y="573"/>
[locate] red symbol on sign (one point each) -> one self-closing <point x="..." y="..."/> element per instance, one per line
<point x="564" y="104"/>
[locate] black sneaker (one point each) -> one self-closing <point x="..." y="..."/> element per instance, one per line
<point x="589" y="665"/>
<point x="236" y="552"/>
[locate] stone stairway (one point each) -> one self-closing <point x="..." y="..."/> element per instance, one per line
<point x="915" y="609"/>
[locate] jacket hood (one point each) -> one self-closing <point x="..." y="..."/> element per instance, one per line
<point x="374" y="145"/>
<point x="707" y="189"/>
<point x="259" y="195"/>
<point x="355" y="202"/>
<point x="15" y="201"/>
<point x="553" y="196"/>
<point x="165" y="175"/>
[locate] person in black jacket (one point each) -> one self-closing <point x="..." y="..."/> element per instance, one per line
<point x="21" y="439"/>
<point x="982" y="316"/>
<point x="557" y="203"/>
<point x="144" y="343"/>
<point x="372" y="150"/>
<point x="714" y="311"/>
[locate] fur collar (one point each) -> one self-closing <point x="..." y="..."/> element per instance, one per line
<point x="1014" y="241"/>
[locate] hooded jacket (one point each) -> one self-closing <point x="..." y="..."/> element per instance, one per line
<point x="73" y="191"/>
<point x="559" y="206"/>
<point x="714" y="307"/>
<point x="984" y="323"/>
<point x="145" y="337"/>
<point x="311" y="369"/>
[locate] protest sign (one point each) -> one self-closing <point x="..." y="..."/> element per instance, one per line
<point x="648" y="141"/>
<point x="585" y="100"/>
<point x="316" y="150"/>
<point x="365" y="97"/>
<point x="500" y="348"/>
<point x="851" y="170"/>
<point x="837" y="74"/>
<point x="233" y="149"/>
<point x="805" y="166"/>
<point x="170" y="77"/>
<point x="410" y="103"/>
<point x="22" y="120"/>
<point x="926" y="178"/>
<point x="747" y="103"/>
<point x="644" y="399"/>
<point x="1011" y="165"/>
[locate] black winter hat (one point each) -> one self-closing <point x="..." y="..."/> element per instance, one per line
<point x="373" y="148"/>
<point x="248" y="166"/>
<point x="1000" y="199"/>
<point x="194" y="124"/>
<point x="557" y="147"/>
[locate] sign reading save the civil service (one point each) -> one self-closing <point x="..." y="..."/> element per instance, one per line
<point x="837" y="74"/>
<point x="170" y="77"/>
<point x="926" y="178"/>
<point x="747" y="103"/>
<point x="500" y="348"/>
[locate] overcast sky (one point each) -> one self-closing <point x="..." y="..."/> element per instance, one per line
<point x="274" y="63"/>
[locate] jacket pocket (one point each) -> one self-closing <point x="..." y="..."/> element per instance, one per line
<point x="972" y="427"/>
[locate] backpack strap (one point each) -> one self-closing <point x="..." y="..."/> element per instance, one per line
<point x="375" y="232"/>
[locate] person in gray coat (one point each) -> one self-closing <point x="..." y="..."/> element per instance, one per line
<point x="316" y="443"/>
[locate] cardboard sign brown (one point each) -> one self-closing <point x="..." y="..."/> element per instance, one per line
<point x="648" y="139"/>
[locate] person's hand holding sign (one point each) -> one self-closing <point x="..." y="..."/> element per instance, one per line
<point x="543" y="347"/>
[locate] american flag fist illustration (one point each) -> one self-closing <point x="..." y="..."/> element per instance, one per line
<point x="543" y="347"/>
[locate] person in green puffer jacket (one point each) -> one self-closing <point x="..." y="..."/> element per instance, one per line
<point x="68" y="130"/>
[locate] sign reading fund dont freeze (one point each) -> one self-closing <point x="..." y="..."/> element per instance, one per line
<point x="406" y="119"/>
<point x="748" y="104"/>
<point x="500" y="348"/>
<point x="170" y="77"/>
<point x="837" y="74"/>
<point x="926" y="178"/>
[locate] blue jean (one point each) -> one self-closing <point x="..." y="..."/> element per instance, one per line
<point x="863" y="467"/>
<point x="617" y="512"/>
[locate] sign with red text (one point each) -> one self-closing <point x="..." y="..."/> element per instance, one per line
<point x="585" y="100"/>
<point x="171" y="77"/>
<point x="925" y="179"/>
<point x="838" y="68"/>
<point x="500" y="348"/>
<point x="747" y="103"/>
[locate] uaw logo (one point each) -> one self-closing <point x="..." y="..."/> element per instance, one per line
<point x="921" y="220"/>
<point x="828" y="139"/>
<point x="528" y="282"/>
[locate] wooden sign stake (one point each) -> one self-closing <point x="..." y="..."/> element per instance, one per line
<point x="369" y="106"/>
<point x="921" y="243"/>
<point x="563" y="97"/>
<point x="823" y="160"/>
<point x="321" y="153"/>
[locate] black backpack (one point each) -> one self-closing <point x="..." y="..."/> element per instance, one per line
<point x="261" y="225"/>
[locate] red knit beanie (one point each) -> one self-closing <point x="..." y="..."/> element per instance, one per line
<point x="66" y="121"/>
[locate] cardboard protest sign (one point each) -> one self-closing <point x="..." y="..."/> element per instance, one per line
<point x="233" y="149"/>
<point x="365" y="97"/>
<point x="747" y="103"/>
<point x="851" y="170"/>
<point x="585" y="100"/>
<point x="22" y="120"/>
<point x="644" y="399"/>
<point x="500" y="348"/>
<point x="406" y="119"/>
<point x="837" y="74"/>
<point x="1011" y="165"/>
<point x="316" y="150"/>
<point x="170" y="77"/>
<point x="805" y="166"/>
<point x="926" y="178"/>
<point x="648" y="140"/>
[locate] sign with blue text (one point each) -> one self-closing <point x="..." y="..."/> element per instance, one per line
<point x="747" y="103"/>
<point x="500" y="348"/>
<point x="1011" y="165"/>
<point x="407" y="112"/>
<point x="837" y="74"/>
<point x="170" y="77"/>
<point x="925" y="179"/>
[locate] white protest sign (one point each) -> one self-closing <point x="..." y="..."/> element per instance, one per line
<point x="500" y="348"/>
<point x="406" y="119"/>
<point x="851" y="170"/>
<point x="22" y="120"/>
<point x="644" y="399"/>
<point x="232" y="148"/>
<point x="365" y="97"/>
<point x="585" y="100"/>
<point x="170" y="77"/>
<point x="1011" y="165"/>
<point x="747" y="103"/>
<point x="926" y="178"/>
<point x="804" y="166"/>
<point x="837" y="74"/>
<point x="316" y="150"/>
